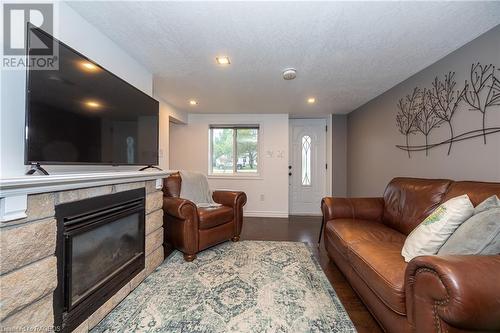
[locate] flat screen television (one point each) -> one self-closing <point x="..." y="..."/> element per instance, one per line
<point x="84" y="114"/>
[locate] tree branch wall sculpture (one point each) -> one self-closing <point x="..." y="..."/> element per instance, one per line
<point x="482" y="91"/>
<point x="407" y="115"/>
<point x="445" y="101"/>
<point x="426" y="110"/>
<point x="427" y="118"/>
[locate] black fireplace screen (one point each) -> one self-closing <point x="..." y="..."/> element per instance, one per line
<point x="100" y="248"/>
<point x="99" y="252"/>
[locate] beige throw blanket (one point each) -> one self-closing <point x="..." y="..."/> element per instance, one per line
<point x="195" y="188"/>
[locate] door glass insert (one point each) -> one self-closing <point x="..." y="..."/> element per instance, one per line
<point x="306" y="160"/>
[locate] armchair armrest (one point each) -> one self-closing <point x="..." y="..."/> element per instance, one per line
<point x="179" y="208"/>
<point x="180" y="224"/>
<point x="236" y="200"/>
<point x="448" y="293"/>
<point x="352" y="208"/>
<point x="230" y="198"/>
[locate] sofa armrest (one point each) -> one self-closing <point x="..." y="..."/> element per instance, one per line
<point x="180" y="208"/>
<point x="448" y="293"/>
<point x="352" y="208"/>
<point x="230" y="198"/>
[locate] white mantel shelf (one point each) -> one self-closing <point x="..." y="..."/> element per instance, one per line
<point x="60" y="182"/>
<point x="14" y="191"/>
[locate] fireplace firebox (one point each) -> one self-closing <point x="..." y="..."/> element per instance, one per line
<point x="100" y="247"/>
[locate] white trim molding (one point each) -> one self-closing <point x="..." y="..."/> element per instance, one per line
<point x="306" y="214"/>
<point x="14" y="191"/>
<point x="255" y="213"/>
<point x="13" y="208"/>
<point x="61" y="182"/>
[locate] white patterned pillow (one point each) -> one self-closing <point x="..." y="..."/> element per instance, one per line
<point x="432" y="233"/>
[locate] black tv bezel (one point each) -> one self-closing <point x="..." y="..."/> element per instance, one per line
<point x="27" y="107"/>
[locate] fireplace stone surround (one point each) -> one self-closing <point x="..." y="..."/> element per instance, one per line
<point x="28" y="266"/>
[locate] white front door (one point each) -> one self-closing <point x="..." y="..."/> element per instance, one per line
<point x="307" y="168"/>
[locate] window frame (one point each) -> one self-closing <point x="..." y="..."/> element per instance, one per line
<point x="235" y="173"/>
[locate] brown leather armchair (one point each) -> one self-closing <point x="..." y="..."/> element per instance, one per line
<point x="191" y="229"/>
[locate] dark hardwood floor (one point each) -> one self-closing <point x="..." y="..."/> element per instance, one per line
<point x="306" y="229"/>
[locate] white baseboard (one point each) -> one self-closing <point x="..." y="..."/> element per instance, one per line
<point x="256" y="213"/>
<point x="305" y="214"/>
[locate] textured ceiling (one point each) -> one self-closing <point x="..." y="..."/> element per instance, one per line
<point x="346" y="53"/>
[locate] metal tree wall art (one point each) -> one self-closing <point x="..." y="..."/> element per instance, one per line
<point x="407" y="116"/>
<point x="426" y="110"/>
<point x="427" y="118"/>
<point x="445" y="100"/>
<point x="482" y="91"/>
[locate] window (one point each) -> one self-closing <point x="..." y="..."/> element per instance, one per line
<point x="234" y="149"/>
<point x="306" y="160"/>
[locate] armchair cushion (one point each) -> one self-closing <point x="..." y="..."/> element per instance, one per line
<point x="214" y="216"/>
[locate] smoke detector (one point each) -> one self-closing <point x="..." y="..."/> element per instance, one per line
<point x="289" y="73"/>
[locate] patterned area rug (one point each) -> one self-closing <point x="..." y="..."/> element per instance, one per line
<point x="248" y="286"/>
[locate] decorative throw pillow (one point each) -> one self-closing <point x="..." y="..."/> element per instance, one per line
<point x="491" y="202"/>
<point x="478" y="235"/>
<point x="432" y="233"/>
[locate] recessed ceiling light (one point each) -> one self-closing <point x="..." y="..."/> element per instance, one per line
<point x="88" y="66"/>
<point x="222" y="60"/>
<point x="311" y="100"/>
<point x="93" y="104"/>
<point x="193" y="102"/>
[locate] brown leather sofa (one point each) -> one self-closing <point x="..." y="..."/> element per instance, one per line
<point x="191" y="229"/>
<point x="364" y="237"/>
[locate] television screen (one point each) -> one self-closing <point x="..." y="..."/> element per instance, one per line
<point x="84" y="114"/>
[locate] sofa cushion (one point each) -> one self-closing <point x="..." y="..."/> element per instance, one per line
<point x="214" y="216"/>
<point x="381" y="266"/>
<point x="408" y="201"/>
<point x="477" y="191"/>
<point x="344" y="232"/>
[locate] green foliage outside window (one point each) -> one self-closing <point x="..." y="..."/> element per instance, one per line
<point x="234" y="150"/>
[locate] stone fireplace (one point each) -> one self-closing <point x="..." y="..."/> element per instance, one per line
<point x="29" y="274"/>
<point x="100" y="248"/>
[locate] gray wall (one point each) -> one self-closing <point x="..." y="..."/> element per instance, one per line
<point x="373" y="159"/>
<point x="339" y="155"/>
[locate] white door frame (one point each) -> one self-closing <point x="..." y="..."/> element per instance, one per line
<point x="327" y="157"/>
